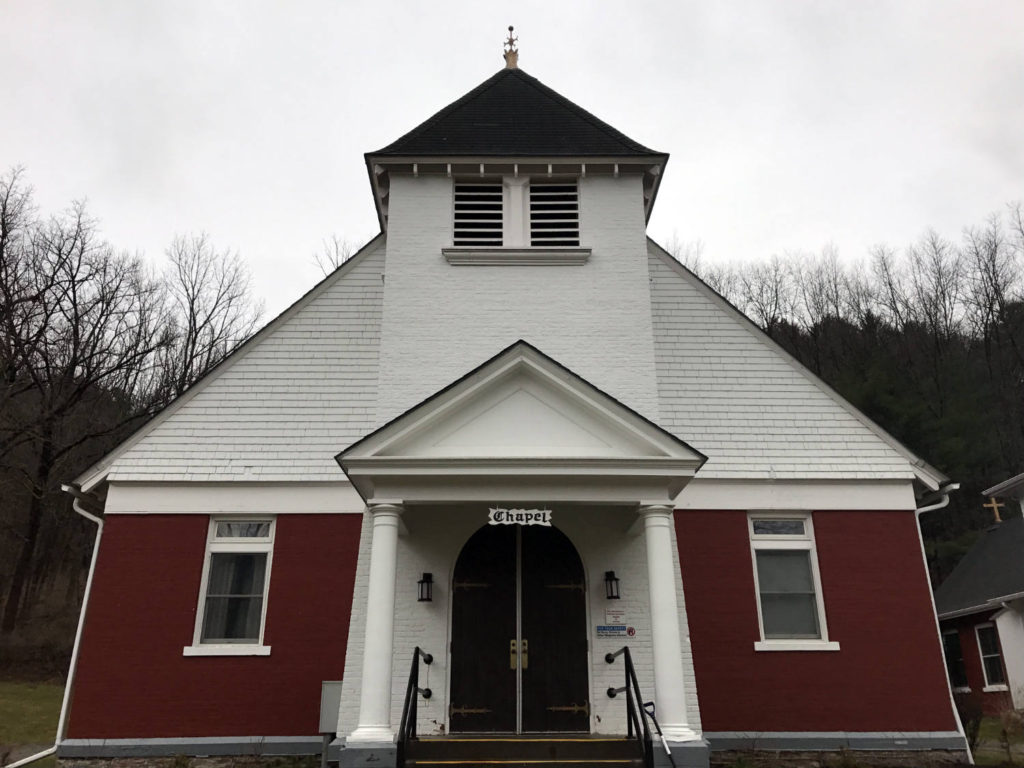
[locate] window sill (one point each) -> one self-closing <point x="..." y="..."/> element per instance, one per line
<point x="796" y="645"/>
<point x="540" y="256"/>
<point x="995" y="688"/>
<point x="226" y="649"/>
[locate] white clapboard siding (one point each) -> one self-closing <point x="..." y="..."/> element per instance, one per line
<point x="299" y="393"/>
<point x="736" y="397"/>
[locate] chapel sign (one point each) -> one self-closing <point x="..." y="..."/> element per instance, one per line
<point x="503" y="516"/>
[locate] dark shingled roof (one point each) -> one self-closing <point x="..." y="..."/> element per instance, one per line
<point x="514" y="115"/>
<point x="993" y="567"/>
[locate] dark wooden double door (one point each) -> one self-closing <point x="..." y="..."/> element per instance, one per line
<point x="519" y="634"/>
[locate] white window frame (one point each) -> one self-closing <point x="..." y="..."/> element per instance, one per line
<point x="804" y="542"/>
<point x="990" y="687"/>
<point x="241" y="544"/>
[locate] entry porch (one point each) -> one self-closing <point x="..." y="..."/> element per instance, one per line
<point x="596" y="481"/>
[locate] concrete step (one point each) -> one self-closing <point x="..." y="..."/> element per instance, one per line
<point x="509" y="751"/>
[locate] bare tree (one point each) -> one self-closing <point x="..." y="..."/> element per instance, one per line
<point x="936" y="275"/>
<point x="212" y="305"/>
<point x="83" y="325"/>
<point x="689" y="253"/>
<point x="767" y="293"/>
<point x="334" y="252"/>
<point x="92" y="344"/>
<point x="891" y="293"/>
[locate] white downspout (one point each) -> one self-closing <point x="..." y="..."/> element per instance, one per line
<point x="69" y="685"/>
<point x="944" y="501"/>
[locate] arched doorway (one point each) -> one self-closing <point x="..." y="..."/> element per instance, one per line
<point x="519" y="633"/>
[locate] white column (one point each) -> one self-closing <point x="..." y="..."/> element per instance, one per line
<point x="669" y="692"/>
<point x="375" y="694"/>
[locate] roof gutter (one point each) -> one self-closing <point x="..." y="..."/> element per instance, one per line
<point x="938" y="500"/>
<point x="79" y="497"/>
<point x="941" y="497"/>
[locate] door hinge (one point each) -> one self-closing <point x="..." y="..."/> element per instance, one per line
<point x="468" y="710"/>
<point x="566" y="586"/>
<point x="469" y="585"/>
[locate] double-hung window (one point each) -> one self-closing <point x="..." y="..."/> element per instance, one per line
<point x="991" y="657"/>
<point x="790" y="608"/>
<point x="233" y="594"/>
<point x="954" y="654"/>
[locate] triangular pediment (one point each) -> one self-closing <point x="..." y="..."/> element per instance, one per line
<point x="521" y="413"/>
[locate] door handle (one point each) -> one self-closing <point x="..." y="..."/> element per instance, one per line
<point x="526" y="653"/>
<point x="512" y="655"/>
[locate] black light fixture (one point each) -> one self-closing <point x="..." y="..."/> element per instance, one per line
<point x="611" y="585"/>
<point x="426" y="585"/>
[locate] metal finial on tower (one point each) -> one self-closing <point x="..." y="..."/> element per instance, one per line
<point x="511" y="50"/>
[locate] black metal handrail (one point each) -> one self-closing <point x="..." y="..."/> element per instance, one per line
<point x="636" y="714"/>
<point x="407" y="729"/>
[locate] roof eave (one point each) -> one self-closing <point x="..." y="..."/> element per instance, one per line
<point x="959" y="612"/>
<point x="655" y="162"/>
<point x="1011" y="488"/>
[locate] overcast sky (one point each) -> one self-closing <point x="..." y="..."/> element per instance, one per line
<point x="790" y="124"/>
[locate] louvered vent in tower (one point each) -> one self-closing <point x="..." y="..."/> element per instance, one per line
<point x="554" y="214"/>
<point x="478" y="214"/>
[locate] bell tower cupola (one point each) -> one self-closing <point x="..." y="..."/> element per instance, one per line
<point x="513" y="213"/>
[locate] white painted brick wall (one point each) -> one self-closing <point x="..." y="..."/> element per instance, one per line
<point x="441" y="320"/>
<point x="435" y="538"/>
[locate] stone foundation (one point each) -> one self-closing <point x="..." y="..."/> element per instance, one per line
<point x="184" y="761"/>
<point x="847" y="758"/>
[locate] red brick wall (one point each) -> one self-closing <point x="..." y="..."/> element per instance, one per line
<point x="888" y="674"/>
<point x="132" y="679"/>
<point x="993" y="702"/>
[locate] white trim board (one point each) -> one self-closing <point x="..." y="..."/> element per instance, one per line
<point x="332" y="498"/>
<point x="228" y="498"/>
<point x="887" y="496"/>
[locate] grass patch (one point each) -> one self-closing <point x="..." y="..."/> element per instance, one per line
<point x="990" y="750"/>
<point x="29" y="712"/>
<point x="989" y="730"/>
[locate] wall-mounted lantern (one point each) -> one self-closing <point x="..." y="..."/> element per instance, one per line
<point x="426" y="585"/>
<point x="611" y="585"/>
